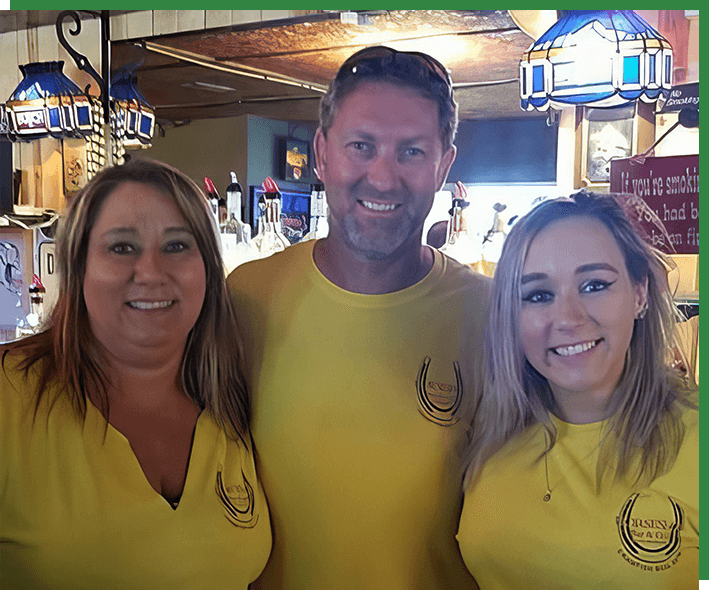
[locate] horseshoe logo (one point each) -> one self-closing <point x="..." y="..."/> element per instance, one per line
<point x="238" y="502"/>
<point x="439" y="402"/>
<point x="657" y="548"/>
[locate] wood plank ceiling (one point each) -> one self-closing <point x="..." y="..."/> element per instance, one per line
<point x="204" y="74"/>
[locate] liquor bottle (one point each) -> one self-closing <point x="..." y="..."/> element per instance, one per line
<point x="37" y="292"/>
<point x="270" y="238"/>
<point x="314" y="213"/>
<point x="322" y="226"/>
<point x="493" y="241"/>
<point x="318" y="214"/>
<point x="459" y="244"/>
<point x="213" y="197"/>
<point x="234" y="224"/>
<point x="33" y="322"/>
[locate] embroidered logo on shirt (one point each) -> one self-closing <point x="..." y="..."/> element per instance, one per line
<point x="438" y="398"/>
<point x="238" y="501"/>
<point x="650" y="526"/>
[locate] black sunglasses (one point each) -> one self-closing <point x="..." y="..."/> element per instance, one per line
<point x="379" y="60"/>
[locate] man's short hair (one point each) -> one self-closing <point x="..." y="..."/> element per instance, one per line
<point x="418" y="71"/>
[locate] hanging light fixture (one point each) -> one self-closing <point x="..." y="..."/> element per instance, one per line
<point x="47" y="103"/>
<point x="132" y="118"/>
<point x="4" y="121"/>
<point x="598" y="58"/>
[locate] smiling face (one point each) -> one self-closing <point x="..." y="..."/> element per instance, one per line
<point x="578" y="311"/>
<point x="145" y="279"/>
<point x="381" y="163"/>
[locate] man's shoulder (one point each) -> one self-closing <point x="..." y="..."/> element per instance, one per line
<point x="271" y="268"/>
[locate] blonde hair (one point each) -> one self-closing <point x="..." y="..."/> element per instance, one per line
<point x="644" y="432"/>
<point x="211" y="371"/>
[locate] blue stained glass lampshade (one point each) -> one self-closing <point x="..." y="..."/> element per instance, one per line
<point x="631" y="69"/>
<point x="598" y="58"/>
<point x="134" y="116"/>
<point x="537" y="78"/>
<point x="47" y="103"/>
<point x="652" y="68"/>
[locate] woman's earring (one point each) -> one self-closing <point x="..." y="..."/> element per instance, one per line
<point x="641" y="312"/>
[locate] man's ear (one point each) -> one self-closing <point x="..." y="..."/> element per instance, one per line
<point x="446" y="162"/>
<point x="319" y="145"/>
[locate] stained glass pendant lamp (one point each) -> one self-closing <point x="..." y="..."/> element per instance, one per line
<point x="132" y="118"/>
<point x="47" y="103"/>
<point x="598" y="58"/>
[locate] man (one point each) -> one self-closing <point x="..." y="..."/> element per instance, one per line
<point x="363" y="348"/>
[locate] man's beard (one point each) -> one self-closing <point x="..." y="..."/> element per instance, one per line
<point x="377" y="238"/>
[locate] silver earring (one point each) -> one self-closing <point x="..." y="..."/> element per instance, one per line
<point x="641" y="312"/>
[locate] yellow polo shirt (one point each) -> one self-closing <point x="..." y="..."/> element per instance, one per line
<point x="622" y="538"/>
<point x="357" y="407"/>
<point x="77" y="512"/>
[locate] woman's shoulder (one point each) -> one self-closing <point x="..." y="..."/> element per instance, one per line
<point x="686" y="409"/>
<point x="18" y="392"/>
<point x="689" y="412"/>
<point x="14" y="370"/>
<point x="681" y="479"/>
<point x="20" y="374"/>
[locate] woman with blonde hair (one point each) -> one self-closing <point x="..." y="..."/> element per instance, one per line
<point x="126" y="454"/>
<point x="584" y="473"/>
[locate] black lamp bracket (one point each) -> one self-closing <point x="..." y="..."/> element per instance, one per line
<point x="81" y="61"/>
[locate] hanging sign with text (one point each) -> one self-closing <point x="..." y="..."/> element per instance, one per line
<point x="684" y="96"/>
<point x="670" y="187"/>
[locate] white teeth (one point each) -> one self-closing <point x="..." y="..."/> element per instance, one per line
<point x="577" y="349"/>
<point x="378" y="206"/>
<point x="150" y="304"/>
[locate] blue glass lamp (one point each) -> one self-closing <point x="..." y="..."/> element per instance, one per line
<point x="47" y="103"/>
<point x="133" y="119"/>
<point x="597" y="58"/>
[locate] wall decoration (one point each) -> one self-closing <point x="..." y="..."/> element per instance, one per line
<point x="75" y="165"/>
<point x="296" y="160"/>
<point x="670" y="187"/>
<point x="15" y="278"/>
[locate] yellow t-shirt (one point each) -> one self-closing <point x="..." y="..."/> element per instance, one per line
<point x="355" y="402"/>
<point x="620" y="539"/>
<point x="77" y="512"/>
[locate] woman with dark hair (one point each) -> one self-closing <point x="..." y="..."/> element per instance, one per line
<point x="127" y="460"/>
<point x="585" y="471"/>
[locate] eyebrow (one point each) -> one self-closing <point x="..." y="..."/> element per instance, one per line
<point x="133" y="231"/>
<point x="363" y="135"/>
<point x="359" y="135"/>
<point x="540" y="276"/>
<point x="596" y="266"/>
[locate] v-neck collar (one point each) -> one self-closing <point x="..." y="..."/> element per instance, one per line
<point x="103" y="432"/>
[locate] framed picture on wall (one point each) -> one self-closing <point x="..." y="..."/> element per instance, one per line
<point x="296" y="159"/>
<point x="607" y="134"/>
<point x="74" y="155"/>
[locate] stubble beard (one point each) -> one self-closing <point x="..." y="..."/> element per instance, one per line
<point x="378" y="241"/>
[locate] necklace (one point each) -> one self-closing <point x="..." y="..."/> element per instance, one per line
<point x="547" y="496"/>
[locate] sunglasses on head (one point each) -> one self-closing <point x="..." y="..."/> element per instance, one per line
<point x="379" y="60"/>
